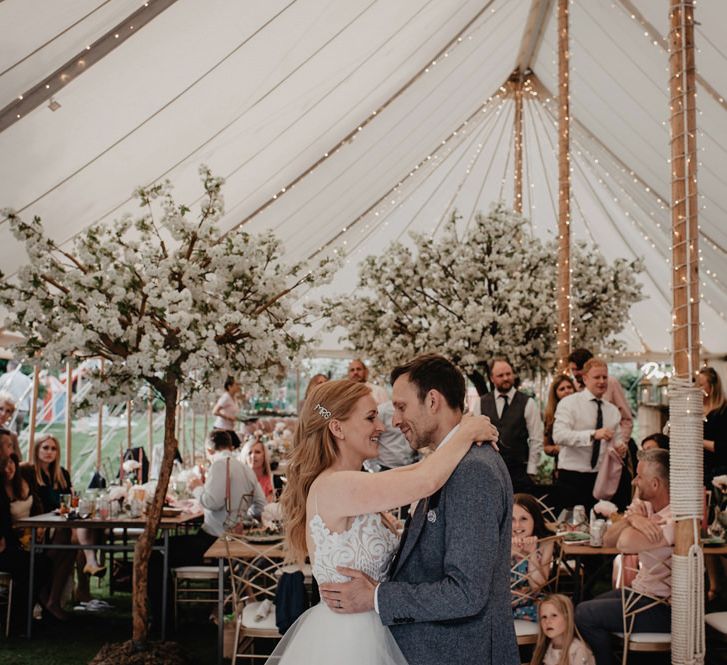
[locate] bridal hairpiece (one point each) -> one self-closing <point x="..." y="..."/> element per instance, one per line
<point x="325" y="413"/>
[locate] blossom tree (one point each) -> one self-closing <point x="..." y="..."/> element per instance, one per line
<point x="166" y="300"/>
<point x="490" y="292"/>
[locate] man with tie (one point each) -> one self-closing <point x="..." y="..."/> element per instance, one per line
<point x="517" y="418"/>
<point x="585" y="426"/>
<point x="447" y="599"/>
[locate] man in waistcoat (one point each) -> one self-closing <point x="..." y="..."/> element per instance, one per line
<point x="517" y="418"/>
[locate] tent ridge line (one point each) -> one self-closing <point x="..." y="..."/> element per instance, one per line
<point x="369" y="118"/>
<point x="73" y="68"/>
<point x="532" y="34"/>
<point x="629" y="6"/>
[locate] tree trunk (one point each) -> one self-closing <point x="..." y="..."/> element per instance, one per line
<point x="142" y="550"/>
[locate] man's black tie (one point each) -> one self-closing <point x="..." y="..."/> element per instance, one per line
<point x="505" y="405"/>
<point x="596" y="442"/>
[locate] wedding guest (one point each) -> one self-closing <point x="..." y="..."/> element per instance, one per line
<point x="614" y="391"/>
<point x="256" y="456"/>
<point x="227" y="408"/>
<point x="517" y="418"/>
<point x="13" y="558"/>
<point x="715" y="424"/>
<point x="315" y="381"/>
<point x="358" y="372"/>
<point x="647" y="529"/>
<point x="655" y="440"/>
<point x="7" y="409"/>
<point x="561" y="387"/>
<point x="394" y="449"/>
<point x="229" y="493"/>
<point x="531" y="560"/>
<point x="585" y="426"/>
<point x="19" y="386"/>
<point x="558" y="640"/>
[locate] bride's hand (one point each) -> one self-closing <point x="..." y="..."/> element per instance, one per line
<point x="480" y="429"/>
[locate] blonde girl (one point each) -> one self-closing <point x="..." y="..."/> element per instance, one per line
<point x="558" y="641"/>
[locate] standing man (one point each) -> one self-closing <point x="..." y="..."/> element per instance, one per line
<point x="647" y="529"/>
<point x="448" y="595"/>
<point x="585" y="425"/>
<point x="517" y="418"/>
<point x="357" y="371"/>
<point x="19" y="386"/>
<point x="614" y="391"/>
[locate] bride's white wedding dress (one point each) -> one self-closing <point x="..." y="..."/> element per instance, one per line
<point x="322" y="637"/>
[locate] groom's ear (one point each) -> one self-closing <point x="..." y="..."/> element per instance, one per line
<point x="433" y="400"/>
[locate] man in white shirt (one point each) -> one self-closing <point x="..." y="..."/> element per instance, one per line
<point x="357" y="371"/>
<point x="19" y="386"/>
<point x="517" y="418"/>
<point x="585" y="426"/>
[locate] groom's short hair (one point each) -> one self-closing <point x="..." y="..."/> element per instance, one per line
<point x="431" y="371"/>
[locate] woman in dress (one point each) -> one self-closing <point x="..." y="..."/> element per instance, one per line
<point x="561" y="387"/>
<point x="255" y="455"/>
<point x="226" y="409"/>
<point x="715" y="424"/>
<point x="333" y="514"/>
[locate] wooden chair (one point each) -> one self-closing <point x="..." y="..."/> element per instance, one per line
<point x="193" y="585"/>
<point x="254" y="580"/>
<point x="521" y="591"/>
<point x="6" y="598"/>
<point x="640" y="642"/>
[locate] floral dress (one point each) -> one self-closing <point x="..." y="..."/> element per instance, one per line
<point x="523" y="608"/>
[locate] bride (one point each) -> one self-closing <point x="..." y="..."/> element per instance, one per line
<point x="333" y="514"/>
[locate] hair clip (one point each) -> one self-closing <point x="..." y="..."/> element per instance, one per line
<point x="325" y="413"/>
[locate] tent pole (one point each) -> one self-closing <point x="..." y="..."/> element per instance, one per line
<point x="33" y="412"/>
<point x="688" y="602"/>
<point x="69" y="415"/>
<point x="194" y="434"/>
<point x="150" y="422"/>
<point x="563" y="333"/>
<point x="517" y="88"/>
<point x="99" y="429"/>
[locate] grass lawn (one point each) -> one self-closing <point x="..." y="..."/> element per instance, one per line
<point x="78" y="640"/>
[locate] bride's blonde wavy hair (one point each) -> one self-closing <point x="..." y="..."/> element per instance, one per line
<point x="314" y="450"/>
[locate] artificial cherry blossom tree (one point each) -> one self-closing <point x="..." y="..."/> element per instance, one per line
<point x="166" y="300"/>
<point x="491" y="292"/>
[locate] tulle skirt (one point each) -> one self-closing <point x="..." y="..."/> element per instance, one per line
<point x="322" y="637"/>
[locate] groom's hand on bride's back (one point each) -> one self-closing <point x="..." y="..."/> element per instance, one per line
<point x="349" y="597"/>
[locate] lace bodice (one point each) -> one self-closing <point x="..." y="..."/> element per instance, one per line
<point x="366" y="545"/>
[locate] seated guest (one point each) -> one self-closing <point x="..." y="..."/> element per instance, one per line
<point x="257" y="457"/>
<point x="715" y="424"/>
<point x="17" y="501"/>
<point x="394" y="449"/>
<point x="647" y="529"/>
<point x="558" y="640"/>
<point x="586" y="425"/>
<point x="561" y="387"/>
<point x="531" y="560"/>
<point x="229" y="493"/>
<point x="7" y="409"/>
<point x="655" y="440"/>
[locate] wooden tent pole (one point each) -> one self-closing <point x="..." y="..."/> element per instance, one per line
<point x="150" y="422"/>
<point x="69" y="415"/>
<point x="685" y="234"/>
<point x="563" y="336"/>
<point x="33" y="412"/>
<point x="129" y="407"/>
<point x="99" y="429"/>
<point x="517" y="87"/>
<point x="194" y="435"/>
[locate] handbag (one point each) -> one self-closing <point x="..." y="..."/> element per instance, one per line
<point x="234" y="523"/>
<point x="609" y="475"/>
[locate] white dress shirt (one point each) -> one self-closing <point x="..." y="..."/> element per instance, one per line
<point x="575" y="423"/>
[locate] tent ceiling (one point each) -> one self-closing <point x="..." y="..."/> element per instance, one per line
<point x="262" y="92"/>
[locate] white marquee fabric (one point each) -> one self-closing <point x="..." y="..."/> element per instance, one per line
<point x="261" y="91"/>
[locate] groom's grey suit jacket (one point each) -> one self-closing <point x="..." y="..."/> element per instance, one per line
<point x="448" y="598"/>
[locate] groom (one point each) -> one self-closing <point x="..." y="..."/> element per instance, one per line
<point x="448" y="595"/>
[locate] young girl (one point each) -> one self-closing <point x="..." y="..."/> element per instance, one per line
<point x="531" y="561"/>
<point x="558" y="640"/>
